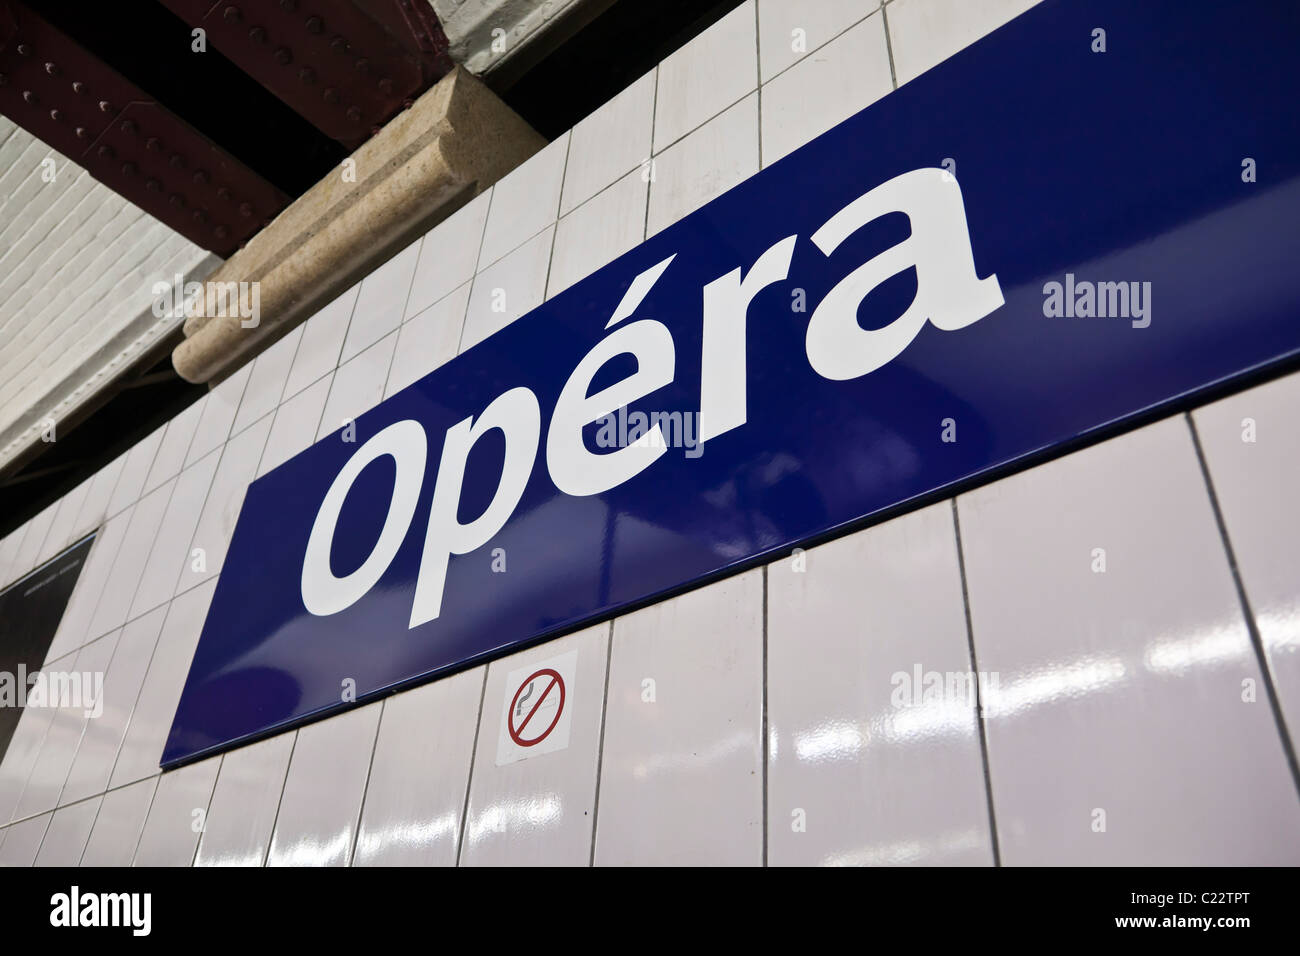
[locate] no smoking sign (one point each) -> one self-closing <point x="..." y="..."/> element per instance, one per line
<point x="537" y="709"/>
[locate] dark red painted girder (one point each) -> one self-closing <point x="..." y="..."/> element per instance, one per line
<point x="72" y="101"/>
<point x="346" y="67"/>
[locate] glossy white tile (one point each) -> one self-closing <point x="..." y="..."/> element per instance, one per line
<point x="681" y="773"/>
<point x="266" y="381"/>
<point x="94" y="509"/>
<point x="321" y="343"/>
<point x="448" y="254"/>
<point x="524" y="202"/>
<point x="294" y="428"/>
<point x="428" y="340"/>
<point x="381" y="303"/>
<point x="706" y="76"/>
<point x="874" y="753"/>
<point x="69" y="830"/>
<point x="177" y="815"/>
<point x="416" y="793"/>
<point x="151" y="719"/>
<point x="23" y="841"/>
<point x="1252" y="452"/>
<point x="507" y="290"/>
<point x="538" y="810"/>
<point x="323" y="790"/>
<point x="216" y="523"/>
<point x="170" y="554"/>
<point x="135" y="469"/>
<point x="128" y="563"/>
<point x="244" y="804"/>
<point x="99" y="745"/>
<point x="175" y="444"/>
<point x="34" y="540"/>
<point x="843" y="77"/>
<point x="117" y="827"/>
<point x="788" y="32"/>
<point x="76" y="697"/>
<point x="612" y="141"/>
<point x="358" y="386"/>
<point x="75" y="625"/>
<point x="1120" y="731"/>
<point x="598" y="231"/>
<point x="218" y="416"/>
<point x="924" y="33"/>
<point x="704" y="165"/>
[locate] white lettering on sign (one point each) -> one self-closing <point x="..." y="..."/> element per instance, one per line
<point x="949" y="296"/>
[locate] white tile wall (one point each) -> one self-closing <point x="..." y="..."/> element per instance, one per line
<point x="774" y="691"/>
<point x="69" y="829"/>
<point x="427" y="340"/>
<point x="415" y="799"/>
<point x="244" y="804"/>
<point x="266" y="381"/>
<point x="924" y="33"/>
<point x="121" y="817"/>
<point x="176" y="816"/>
<point x="539" y="811"/>
<point x="99" y="745"/>
<point x="509" y="288"/>
<point x="1252" y="452"/>
<point x="321" y="343"/>
<point x="381" y="303"/>
<point x="609" y="143"/>
<point x="860" y="772"/>
<point x="449" y="254"/>
<point x="321" y="804"/>
<point x="826" y="87"/>
<point x="152" y="717"/>
<point x="788" y="32"/>
<point x="1119" y="734"/>
<point x="706" y="76"/>
<point x="681" y="779"/>
<point x="218" y="415"/>
<point x="598" y="231"/>
<point x="45" y="782"/>
<point x="524" y="202"/>
<point x="720" y="154"/>
<point x="357" y="386"/>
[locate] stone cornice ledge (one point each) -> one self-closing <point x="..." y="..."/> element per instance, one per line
<point x="454" y="142"/>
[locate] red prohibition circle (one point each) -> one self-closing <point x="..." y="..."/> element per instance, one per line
<point x="516" y="733"/>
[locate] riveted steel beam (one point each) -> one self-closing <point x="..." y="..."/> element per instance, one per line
<point x="345" y="69"/>
<point x="69" y="99"/>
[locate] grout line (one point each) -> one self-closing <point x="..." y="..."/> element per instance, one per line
<point x="207" y="810"/>
<point x="44" y="834"/>
<point x="555" y="224"/>
<point x="284" y="785"/>
<point x="889" y="47"/>
<point x="1252" y="625"/>
<point x="139" y="837"/>
<point x="469" y="778"/>
<point x="600" y="745"/>
<point x="460" y="342"/>
<point x="979" y="703"/>
<point x="758" y="90"/>
<point x="650" y="178"/>
<point x="365" y="790"/>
